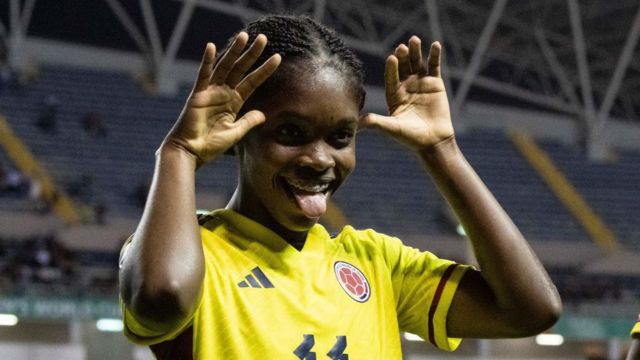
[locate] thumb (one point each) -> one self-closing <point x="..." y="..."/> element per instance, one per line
<point x="375" y="121"/>
<point x="250" y="120"/>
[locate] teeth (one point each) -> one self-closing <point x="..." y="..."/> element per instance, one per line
<point x="307" y="186"/>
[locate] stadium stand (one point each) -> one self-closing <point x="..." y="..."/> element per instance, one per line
<point x="578" y="287"/>
<point x="385" y="167"/>
<point x="520" y="190"/>
<point x="112" y="168"/>
<point x="107" y="168"/>
<point x="611" y="188"/>
<point x="42" y="265"/>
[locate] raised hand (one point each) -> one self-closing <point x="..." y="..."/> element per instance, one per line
<point x="207" y="126"/>
<point x="418" y="105"/>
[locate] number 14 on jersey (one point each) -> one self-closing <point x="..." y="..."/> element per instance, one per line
<point x="303" y="351"/>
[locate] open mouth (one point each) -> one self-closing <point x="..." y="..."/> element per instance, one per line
<point x="308" y="186"/>
<point x="310" y="195"/>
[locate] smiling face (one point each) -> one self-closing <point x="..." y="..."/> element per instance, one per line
<point x="290" y="166"/>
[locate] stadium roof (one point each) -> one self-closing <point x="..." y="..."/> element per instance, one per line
<point x="567" y="56"/>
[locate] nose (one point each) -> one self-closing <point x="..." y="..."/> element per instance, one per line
<point x="317" y="155"/>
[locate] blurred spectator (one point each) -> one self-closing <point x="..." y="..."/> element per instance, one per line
<point x="47" y="261"/>
<point x="47" y="119"/>
<point x="13" y="182"/>
<point x="43" y="265"/>
<point x="576" y="287"/>
<point x="100" y="213"/>
<point x="42" y="201"/>
<point x="93" y="124"/>
<point x="42" y="254"/>
<point x="23" y="275"/>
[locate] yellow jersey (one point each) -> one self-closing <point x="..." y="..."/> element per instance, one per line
<point x="342" y="297"/>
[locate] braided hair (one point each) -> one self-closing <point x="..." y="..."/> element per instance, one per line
<point x="304" y="44"/>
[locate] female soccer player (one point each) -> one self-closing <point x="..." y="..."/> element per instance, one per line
<point x="262" y="279"/>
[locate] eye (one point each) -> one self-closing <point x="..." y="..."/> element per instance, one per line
<point x="343" y="137"/>
<point x="344" y="134"/>
<point x="289" y="134"/>
<point x="289" y="130"/>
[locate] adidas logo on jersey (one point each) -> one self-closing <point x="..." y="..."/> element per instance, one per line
<point x="257" y="279"/>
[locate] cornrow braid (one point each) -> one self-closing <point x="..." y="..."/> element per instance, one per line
<point x="303" y="43"/>
<point x="340" y="51"/>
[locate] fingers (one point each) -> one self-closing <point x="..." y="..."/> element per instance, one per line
<point x="225" y="64"/>
<point x="375" y="121"/>
<point x="250" y="120"/>
<point x="410" y="61"/>
<point x="391" y="76"/>
<point x="251" y="82"/>
<point x="433" y="61"/>
<point x="233" y="65"/>
<point x="404" y="65"/>
<point x="206" y="68"/>
<point x="245" y="61"/>
<point x="415" y="56"/>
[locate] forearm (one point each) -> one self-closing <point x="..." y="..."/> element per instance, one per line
<point x="163" y="269"/>
<point x="518" y="282"/>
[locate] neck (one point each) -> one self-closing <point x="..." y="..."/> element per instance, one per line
<point x="259" y="213"/>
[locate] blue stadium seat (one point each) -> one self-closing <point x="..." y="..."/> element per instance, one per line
<point x="388" y="190"/>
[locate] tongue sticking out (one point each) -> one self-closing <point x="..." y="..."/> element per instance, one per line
<point x="313" y="205"/>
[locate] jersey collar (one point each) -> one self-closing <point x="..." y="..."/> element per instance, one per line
<point x="315" y="243"/>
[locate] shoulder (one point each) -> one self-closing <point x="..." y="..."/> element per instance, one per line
<point x="207" y="220"/>
<point x="352" y="236"/>
<point x="369" y="241"/>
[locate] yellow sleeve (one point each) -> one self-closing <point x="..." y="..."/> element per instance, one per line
<point x="139" y="334"/>
<point x="636" y="329"/>
<point x="134" y="330"/>
<point x="424" y="286"/>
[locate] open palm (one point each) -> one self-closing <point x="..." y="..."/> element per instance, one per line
<point x="207" y="126"/>
<point x="416" y="97"/>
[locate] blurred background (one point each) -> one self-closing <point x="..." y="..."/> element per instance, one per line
<point x="545" y="97"/>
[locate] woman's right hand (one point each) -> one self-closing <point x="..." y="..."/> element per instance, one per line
<point x="207" y="126"/>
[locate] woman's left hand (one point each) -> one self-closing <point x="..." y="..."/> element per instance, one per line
<point x="416" y="97"/>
